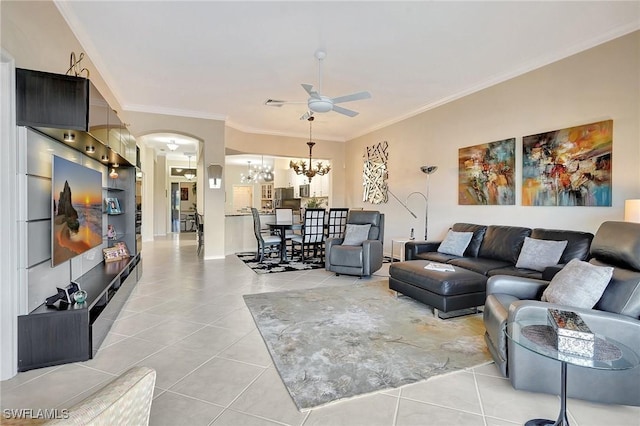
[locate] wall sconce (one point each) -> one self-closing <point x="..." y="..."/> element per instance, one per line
<point x="632" y="211"/>
<point x="215" y="176"/>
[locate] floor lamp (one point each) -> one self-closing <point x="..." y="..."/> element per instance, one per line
<point x="428" y="170"/>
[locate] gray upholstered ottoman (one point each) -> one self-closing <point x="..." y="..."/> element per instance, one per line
<point x="444" y="291"/>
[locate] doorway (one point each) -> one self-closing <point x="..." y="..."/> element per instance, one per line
<point x="175" y="207"/>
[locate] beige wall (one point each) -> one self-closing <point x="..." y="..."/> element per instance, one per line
<point x="599" y="84"/>
<point x="283" y="146"/>
<point x="211" y="133"/>
<point x="38" y="38"/>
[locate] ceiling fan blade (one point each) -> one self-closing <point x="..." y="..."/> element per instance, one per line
<point x="352" y="97"/>
<point x="274" y="102"/>
<point x="309" y="89"/>
<point x="279" y="103"/>
<point x="306" y="115"/>
<point x="345" y="111"/>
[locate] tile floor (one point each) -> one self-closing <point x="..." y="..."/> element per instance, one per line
<point x="187" y="319"/>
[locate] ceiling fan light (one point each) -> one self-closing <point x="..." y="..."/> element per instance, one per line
<point x="320" y="105"/>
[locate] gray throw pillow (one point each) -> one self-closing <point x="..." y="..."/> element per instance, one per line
<point x="579" y="284"/>
<point x="455" y="243"/>
<point x="538" y="254"/>
<point x="355" y="235"/>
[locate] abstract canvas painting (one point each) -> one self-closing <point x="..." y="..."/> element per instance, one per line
<point x="568" y="167"/>
<point x="486" y="173"/>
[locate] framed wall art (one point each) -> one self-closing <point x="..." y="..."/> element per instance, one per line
<point x="184" y="194"/>
<point x="486" y="173"/>
<point x="568" y="167"/>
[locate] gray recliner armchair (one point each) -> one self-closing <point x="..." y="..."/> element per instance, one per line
<point x="361" y="260"/>
<point x="616" y="315"/>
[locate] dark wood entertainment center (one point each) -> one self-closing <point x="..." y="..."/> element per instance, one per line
<point x="56" y="106"/>
<point x="74" y="332"/>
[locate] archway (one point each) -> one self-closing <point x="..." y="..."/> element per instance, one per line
<point x="177" y="162"/>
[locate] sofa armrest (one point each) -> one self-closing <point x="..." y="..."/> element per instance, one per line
<point x="125" y="400"/>
<point x="372" y="256"/>
<point x="413" y="248"/>
<point x="520" y="287"/>
<point x="328" y="243"/>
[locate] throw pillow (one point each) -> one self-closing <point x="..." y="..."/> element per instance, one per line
<point x="455" y="243"/>
<point x="538" y="254"/>
<point x="579" y="284"/>
<point x="355" y="235"/>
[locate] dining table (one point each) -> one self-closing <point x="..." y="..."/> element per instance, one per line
<point x="280" y="227"/>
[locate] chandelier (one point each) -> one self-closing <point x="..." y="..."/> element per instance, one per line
<point x="257" y="173"/>
<point x="251" y="175"/>
<point x="264" y="172"/>
<point x="300" y="167"/>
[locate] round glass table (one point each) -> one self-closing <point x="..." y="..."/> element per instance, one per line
<point x="535" y="334"/>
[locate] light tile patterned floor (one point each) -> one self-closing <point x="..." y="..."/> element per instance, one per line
<point x="187" y="319"/>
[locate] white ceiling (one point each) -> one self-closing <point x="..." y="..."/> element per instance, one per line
<point x="222" y="60"/>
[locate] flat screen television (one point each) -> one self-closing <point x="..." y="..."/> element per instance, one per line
<point x="76" y="220"/>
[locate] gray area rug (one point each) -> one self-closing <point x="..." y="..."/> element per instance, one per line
<point x="331" y="343"/>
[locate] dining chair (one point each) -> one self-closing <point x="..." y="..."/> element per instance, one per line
<point x="266" y="243"/>
<point x="284" y="214"/>
<point x="337" y="222"/>
<point x="199" y="219"/>
<point x="312" y="233"/>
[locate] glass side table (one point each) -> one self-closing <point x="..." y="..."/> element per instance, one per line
<point x="536" y="335"/>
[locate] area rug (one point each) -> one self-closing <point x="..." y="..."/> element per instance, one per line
<point x="331" y="343"/>
<point x="272" y="264"/>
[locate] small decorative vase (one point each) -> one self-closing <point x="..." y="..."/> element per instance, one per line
<point x="80" y="296"/>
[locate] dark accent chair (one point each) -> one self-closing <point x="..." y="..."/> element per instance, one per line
<point x="266" y="243"/>
<point x="361" y="260"/>
<point x="616" y="315"/>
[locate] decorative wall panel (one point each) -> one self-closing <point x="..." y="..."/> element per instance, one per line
<point x="375" y="173"/>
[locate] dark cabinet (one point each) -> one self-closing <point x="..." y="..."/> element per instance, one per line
<point x="71" y="110"/>
<point x="51" y="100"/>
<point x="50" y="336"/>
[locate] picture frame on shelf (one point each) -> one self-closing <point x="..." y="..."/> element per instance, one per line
<point x="111" y="254"/>
<point x="123" y="250"/>
<point x="112" y="206"/>
<point x="119" y="251"/>
<point x="111" y="232"/>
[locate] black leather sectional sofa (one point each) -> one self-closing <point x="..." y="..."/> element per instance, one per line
<point x="493" y="250"/>
<point x="616" y="316"/>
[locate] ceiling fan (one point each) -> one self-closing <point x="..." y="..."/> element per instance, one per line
<point x="318" y="102"/>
